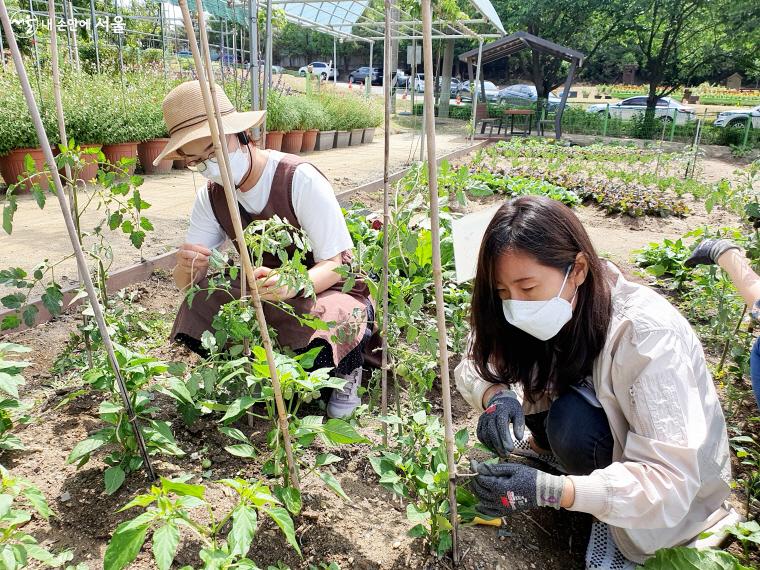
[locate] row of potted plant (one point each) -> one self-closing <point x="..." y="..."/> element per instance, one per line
<point x="304" y="123"/>
<point x="122" y="120"/>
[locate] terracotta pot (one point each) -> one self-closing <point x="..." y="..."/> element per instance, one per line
<point x="180" y="164"/>
<point x="292" y="141"/>
<point x="274" y="140"/>
<point x="12" y="166"/>
<point x="115" y="152"/>
<point x="369" y="134"/>
<point x="342" y="138"/>
<point x="356" y="137"/>
<point x="147" y="151"/>
<point x="309" y="140"/>
<point x="325" y="140"/>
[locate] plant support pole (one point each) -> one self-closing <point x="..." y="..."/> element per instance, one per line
<point x="427" y="49"/>
<point x="474" y="91"/>
<point x="93" y="23"/>
<point x="74" y="38"/>
<point x="78" y="253"/>
<point x="386" y="217"/>
<point x="217" y="137"/>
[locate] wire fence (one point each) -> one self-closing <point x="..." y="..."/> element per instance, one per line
<point x="737" y="128"/>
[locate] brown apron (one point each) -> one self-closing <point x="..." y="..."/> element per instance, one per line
<point x="345" y="313"/>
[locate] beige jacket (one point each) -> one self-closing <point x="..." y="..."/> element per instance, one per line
<point x="671" y="467"/>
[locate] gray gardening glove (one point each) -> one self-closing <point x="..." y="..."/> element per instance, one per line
<point x="503" y="410"/>
<point x="708" y="251"/>
<point x="504" y="488"/>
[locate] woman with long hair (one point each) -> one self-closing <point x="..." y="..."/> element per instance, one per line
<point x="608" y="377"/>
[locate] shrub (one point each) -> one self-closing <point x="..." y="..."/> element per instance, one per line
<point x="281" y="115"/>
<point x="16" y="128"/>
<point x="312" y="114"/>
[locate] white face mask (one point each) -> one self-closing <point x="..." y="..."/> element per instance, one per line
<point x="238" y="163"/>
<point x="541" y="319"/>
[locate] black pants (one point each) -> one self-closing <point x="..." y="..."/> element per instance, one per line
<point x="577" y="433"/>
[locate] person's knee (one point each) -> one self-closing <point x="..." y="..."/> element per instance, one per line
<point x="579" y="434"/>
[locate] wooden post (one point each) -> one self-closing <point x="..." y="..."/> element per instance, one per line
<point x="563" y="100"/>
<point x="427" y="48"/>
<point x="208" y="90"/>
<point x="475" y="88"/>
<point x="387" y="87"/>
<point x="70" y="228"/>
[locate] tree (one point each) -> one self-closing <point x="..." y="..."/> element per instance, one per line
<point x="584" y="25"/>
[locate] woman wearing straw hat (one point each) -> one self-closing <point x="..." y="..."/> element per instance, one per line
<point x="267" y="184"/>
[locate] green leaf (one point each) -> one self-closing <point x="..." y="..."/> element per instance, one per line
<point x="339" y="432"/>
<point x="9" y="383"/>
<point x="333" y="484"/>
<point x="29" y="315"/>
<point x="52" y="298"/>
<point x="8" y="211"/>
<point x="281" y="516"/>
<point x="38" y="501"/>
<point x="291" y="497"/>
<point x="83" y="449"/>
<point x="10" y="322"/>
<point x="326" y="459"/>
<point x="244" y="523"/>
<point x="13" y="301"/>
<point x="417" y="531"/>
<point x="685" y="558"/>
<point x="165" y="542"/>
<point x="125" y="545"/>
<point x="241" y="450"/>
<point x="114" y="477"/>
<point x="183" y="489"/>
<point x="237" y="408"/>
<point x="137" y="238"/>
<point x="146" y="224"/>
<point x="234" y="433"/>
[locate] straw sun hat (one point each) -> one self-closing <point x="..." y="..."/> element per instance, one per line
<point x="186" y="120"/>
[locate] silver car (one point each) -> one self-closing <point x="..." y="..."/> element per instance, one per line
<point x="526" y="95"/>
<point x="491" y="91"/>
<point x="738" y="118"/>
<point x="320" y="68"/>
<point x="667" y="109"/>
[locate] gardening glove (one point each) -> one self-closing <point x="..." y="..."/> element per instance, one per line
<point x="504" y="488"/>
<point x="493" y="426"/>
<point x="708" y="251"/>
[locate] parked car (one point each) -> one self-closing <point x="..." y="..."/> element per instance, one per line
<point x="738" y="118"/>
<point x="185" y="53"/>
<point x="320" y="68"/>
<point x="417" y="82"/>
<point x="463" y="91"/>
<point x="525" y="96"/>
<point x="360" y="74"/>
<point x="278" y="69"/>
<point x="667" y="109"/>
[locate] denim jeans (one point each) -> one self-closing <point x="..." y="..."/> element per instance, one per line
<point x="754" y="369"/>
<point x="577" y="433"/>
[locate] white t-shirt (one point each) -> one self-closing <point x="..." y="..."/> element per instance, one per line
<point x="314" y="203"/>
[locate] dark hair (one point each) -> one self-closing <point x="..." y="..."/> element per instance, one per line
<point x="503" y="354"/>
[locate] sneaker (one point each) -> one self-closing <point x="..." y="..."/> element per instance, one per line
<point x="343" y="402"/>
<point x="602" y="553"/>
<point x="524" y="449"/>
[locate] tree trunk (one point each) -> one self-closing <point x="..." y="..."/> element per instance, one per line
<point x="448" y="62"/>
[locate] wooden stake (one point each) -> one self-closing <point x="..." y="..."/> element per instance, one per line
<point x="386" y="217"/>
<point x="427" y="49"/>
<point x="68" y="219"/>
<point x="220" y="151"/>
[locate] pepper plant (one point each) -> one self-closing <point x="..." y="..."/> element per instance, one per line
<point x="20" y="501"/>
<point x="138" y="372"/>
<point x="416" y="470"/>
<point x="226" y="540"/>
<point x="12" y="408"/>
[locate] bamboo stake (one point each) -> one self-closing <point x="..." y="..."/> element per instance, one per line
<point x="78" y="253"/>
<point x="386" y="217"/>
<point x="75" y="46"/>
<point x="427" y="49"/>
<point x="220" y="151"/>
